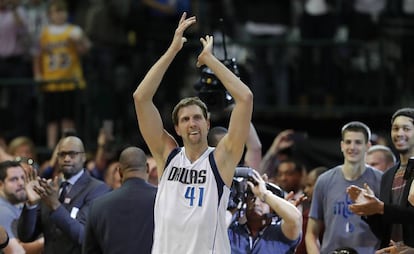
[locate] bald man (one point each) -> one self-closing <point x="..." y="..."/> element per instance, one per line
<point x="60" y="212"/>
<point x="123" y="220"/>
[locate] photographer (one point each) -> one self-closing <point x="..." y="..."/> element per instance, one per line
<point x="261" y="233"/>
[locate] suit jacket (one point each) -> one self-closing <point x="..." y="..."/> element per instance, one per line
<point x="123" y="220"/>
<point x="63" y="229"/>
<point x="402" y="213"/>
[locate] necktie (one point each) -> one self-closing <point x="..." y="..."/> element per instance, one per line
<point x="64" y="187"/>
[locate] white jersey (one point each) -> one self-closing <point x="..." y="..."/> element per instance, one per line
<point x="190" y="207"/>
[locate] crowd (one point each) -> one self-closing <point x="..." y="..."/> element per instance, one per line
<point x="110" y="204"/>
<point x="200" y="189"/>
<point x="295" y="56"/>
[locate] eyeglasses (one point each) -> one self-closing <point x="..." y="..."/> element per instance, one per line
<point x="71" y="154"/>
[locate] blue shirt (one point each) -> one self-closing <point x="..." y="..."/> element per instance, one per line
<point x="270" y="240"/>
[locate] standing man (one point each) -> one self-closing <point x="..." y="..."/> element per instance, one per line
<point x="329" y="206"/>
<point x="390" y="216"/>
<point x="195" y="179"/>
<point x="60" y="213"/>
<point x="12" y="197"/>
<point x="123" y="220"/>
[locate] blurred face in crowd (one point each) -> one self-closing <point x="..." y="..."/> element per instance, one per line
<point x="24" y="151"/>
<point x="12" y="187"/>
<point x="288" y="178"/>
<point x="58" y="15"/>
<point x="377" y="159"/>
<point x="309" y="184"/>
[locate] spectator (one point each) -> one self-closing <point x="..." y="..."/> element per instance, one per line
<point x="310" y="181"/>
<point x="290" y="176"/>
<point x="329" y="210"/>
<point x="60" y="213"/>
<point x="380" y="157"/>
<point x="110" y="58"/>
<point x="12" y="197"/>
<point x="22" y="147"/>
<point x="61" y="46"/>
<point x="115" y="225"/>
<point x="17" y="101"/>
<point x="260" y="233"/>
<point x="389" y="216"/>
<point x="36" y="17"/>
<point x="279" y="150"/>
<point x="210" y="169"/>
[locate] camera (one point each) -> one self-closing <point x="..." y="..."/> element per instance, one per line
<point x="240" y="190"/>
<point x="211" y="91"/>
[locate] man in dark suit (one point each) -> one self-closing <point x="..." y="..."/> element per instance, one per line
<point x="390" y="215"/>
<point x="123" y="220"/>
<point x="61" y="219"/>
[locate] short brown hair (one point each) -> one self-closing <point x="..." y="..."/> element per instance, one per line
<point x="188" y="102"/>
<point x="357" y="126"/>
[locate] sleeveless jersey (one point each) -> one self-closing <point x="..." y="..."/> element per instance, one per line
<point x="190" y="207"/>
<point x="60" y="60"/>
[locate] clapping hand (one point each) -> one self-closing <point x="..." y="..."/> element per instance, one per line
<point x="365" y="202"/>
<point x="31" y="183"/>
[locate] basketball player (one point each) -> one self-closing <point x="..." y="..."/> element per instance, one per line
<point x="195" y="179"/>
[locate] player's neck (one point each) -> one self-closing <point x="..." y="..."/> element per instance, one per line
<point x="193" y="152"/>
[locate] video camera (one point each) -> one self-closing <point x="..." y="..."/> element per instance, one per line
<point x="210" y="90"/>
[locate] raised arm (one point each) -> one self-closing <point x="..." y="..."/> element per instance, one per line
<point x="159" y="141"/>
<point x="291" y="216"/>
<point x="230" y="149"/>
<point x="270" y="161"/>
<point x="253" y="155"/>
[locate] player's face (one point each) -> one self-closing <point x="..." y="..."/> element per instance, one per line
<point x="354" y="146"/>
<point x="402" y="134"/>
<point x="192" y="125"/>
<point x="12" y="187"/>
